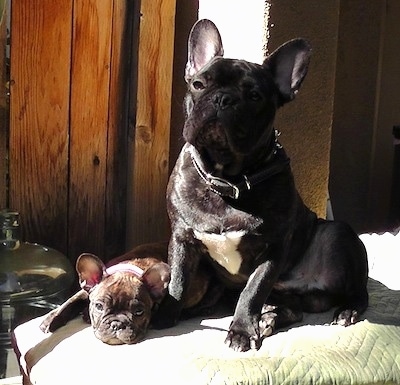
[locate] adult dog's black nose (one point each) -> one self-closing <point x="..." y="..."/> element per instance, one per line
<point x="223" y="100"/>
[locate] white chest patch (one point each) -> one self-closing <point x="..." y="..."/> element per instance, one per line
<point x="223" y="248"/>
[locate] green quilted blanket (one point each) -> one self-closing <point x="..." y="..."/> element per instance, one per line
<point x="193" y="352"/>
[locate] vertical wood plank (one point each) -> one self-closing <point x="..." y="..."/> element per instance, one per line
<point x="118" y="123"/>
<point x="147" y="219"/>
<point x="4" y="105"/>
<point x="39" y="115"/>
<point x="92" y="26"/>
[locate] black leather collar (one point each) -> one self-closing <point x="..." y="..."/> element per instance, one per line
<point x="225" y="188"/>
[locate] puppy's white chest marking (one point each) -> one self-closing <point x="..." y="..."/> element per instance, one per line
<point x="223" y="248"/>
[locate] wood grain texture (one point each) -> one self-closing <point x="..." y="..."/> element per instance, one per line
<point x="90" y="82"/>
<point x="69" y="121"/>
<point x="39" y="115"/>
<point x="116" y="180"/>
<point x="147" y="219"/>
<point x="4" y="107"/>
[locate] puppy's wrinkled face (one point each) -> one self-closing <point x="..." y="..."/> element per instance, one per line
<point x="123" y="318"/>
<point x="230" y="109"/>
<point x="121" y="297"/>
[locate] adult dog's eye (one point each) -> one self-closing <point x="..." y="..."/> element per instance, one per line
<point x="99" y="306"/>
<point x="255" y="95"/>
<point x="198" y="85"/>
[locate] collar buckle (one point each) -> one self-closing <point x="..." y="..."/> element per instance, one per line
<point x="223" y="187"/>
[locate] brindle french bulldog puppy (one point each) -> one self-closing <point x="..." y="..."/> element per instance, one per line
<point x="231" y="199"/>
<point x="120" y="299"/>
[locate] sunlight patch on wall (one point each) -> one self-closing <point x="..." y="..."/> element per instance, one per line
<point x="242" y="24"/>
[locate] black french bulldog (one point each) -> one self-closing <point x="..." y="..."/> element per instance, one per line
<point x="231" y="198"/>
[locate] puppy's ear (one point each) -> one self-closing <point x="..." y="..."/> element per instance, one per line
<point x="288" y="65"/>
<point x="157" y="278"/>
<point x="204" y="44"/>
<point x="90" y="269"/>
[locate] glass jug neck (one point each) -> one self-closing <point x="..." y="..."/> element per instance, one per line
<point x="10" y="232"/>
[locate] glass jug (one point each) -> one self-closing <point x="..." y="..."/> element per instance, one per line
<point x="34" y="279"/>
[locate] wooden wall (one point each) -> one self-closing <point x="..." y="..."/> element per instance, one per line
<point x="68" y="122"/>
<point x="90" y="106"/>
<point x="150" y="143"/>
<point x="4" y="105"/>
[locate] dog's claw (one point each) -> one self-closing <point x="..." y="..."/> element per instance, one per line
<point x="266" y="330"/>
<point x="255" y="344"/>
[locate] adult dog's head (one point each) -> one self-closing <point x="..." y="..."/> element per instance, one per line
<point x="230" y="104"/>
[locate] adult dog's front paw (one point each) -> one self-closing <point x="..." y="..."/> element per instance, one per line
<point x="242" y="337"/>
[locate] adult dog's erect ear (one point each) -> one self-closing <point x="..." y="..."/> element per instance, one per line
<point x="288" y="65"/>
<point x="204" y="44"/>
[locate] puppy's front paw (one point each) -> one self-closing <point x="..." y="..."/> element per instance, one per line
<point x="242" y="337"/>
<point x="46" y="324"/>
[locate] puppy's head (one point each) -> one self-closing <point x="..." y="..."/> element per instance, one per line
<point x="122" y="297"/>
<point x="231" y="104"/>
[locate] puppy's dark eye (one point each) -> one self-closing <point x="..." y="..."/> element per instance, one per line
<point x="99" y="306"/>
<point x="198" y="85"/>
<point x="138" y="312"/>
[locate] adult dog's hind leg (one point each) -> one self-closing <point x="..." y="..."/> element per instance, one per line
<point x="346" y="270"/>
<point x="350" y="312"/>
